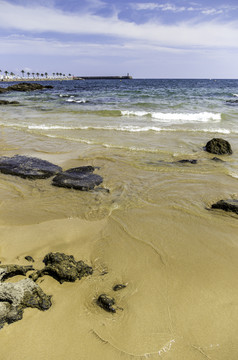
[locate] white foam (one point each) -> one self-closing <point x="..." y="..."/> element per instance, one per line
<point x="79" y="101"/>
<point x="235" y="95"/>
<point x="176" y="118"/>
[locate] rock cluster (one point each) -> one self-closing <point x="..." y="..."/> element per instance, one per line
<point x="15" y="297"/>
<point x="80" y="178"/>
<point x="24" y="86"/>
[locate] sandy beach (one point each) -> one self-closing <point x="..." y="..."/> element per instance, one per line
<point x="153" y="232"/>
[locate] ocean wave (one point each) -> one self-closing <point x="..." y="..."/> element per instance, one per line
<point x="79" y="101"/>
<point x="176" y="117"/>
<point x="122" y="128"/>
<point x="235" y="95"/>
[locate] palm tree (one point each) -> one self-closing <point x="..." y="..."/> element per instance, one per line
<point x="41" y="75"/>
<point x="28" y="74"/>
<point x="37" y="74"/>
<point x="23" y="72"/>
<point x="69" y="75"/>
<point x="46" y="74"/>
<point x="60" y="74"/>
<point x="33" y="74"/>
<point x="53" y="74"/>
<point x="6" y="72"/>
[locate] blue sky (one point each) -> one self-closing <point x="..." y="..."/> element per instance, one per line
<point x="148" y="39"/>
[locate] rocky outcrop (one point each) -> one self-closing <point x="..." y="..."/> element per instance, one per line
<point x="6" y="102"/>
<point x="80" y="178"/>
<point x="218" y="146"/>
<point x="107" y="303"/>
<point x="227" y="205"/>
<point x="28" y="167"/>
<point x="29" y="258"/>
<point x="63" y="268"/>
<point x="8" y="271"/>
<point x="24" y="86"/>
<point x="15" y="297"/>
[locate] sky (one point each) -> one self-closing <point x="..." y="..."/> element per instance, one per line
<point x="148" y="39"/>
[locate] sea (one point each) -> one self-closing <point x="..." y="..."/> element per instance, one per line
<point x="149" y="225"/>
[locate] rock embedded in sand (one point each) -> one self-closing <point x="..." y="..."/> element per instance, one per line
<point x="218" y="146"/>
<point x="227" y="205"/>
<point x="63" y="268"/>
<point x="15" y="297"/>
<point x="8" y="271"/>
<point x="29" y="258"/>
<point x="119" y="287"/>
<point x="187" y="161"/>
<point x="80" y="178"/>
<point x="28" y="167"/>
<point x="107" y="303"/>
<point x="217" y="159"/>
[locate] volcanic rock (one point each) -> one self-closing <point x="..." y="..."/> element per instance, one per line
<point x="28" y="167"/>
<point x="8" y="271"/>
<point x="15" y="297"/>
<point x="107" y="303"/>
<point x="218" y="146"/>
<point x="80" y="178"/>
<point x="227" y="205"/>
<point x="63" y="268"/>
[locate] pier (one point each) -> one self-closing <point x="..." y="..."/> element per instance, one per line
<point x="102" y="77"/>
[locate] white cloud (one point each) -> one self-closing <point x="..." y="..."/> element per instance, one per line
<point x="40" y="20"/>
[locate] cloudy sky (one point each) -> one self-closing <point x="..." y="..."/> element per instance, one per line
<point x="148" y="39"/>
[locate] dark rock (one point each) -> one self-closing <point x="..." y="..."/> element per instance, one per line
<point x="218" y="146"/>
<point x="119" y="287"/>
<point x="15" y="297"/>
<point x="6" y="102"/>
<point x="227" y="205"/>
<point x="8" y="271"/>
<point x="27" y="87"/>
<point x="29" y="258"/>
<point x="28" y="167"/>
<point x="232" y="101"/>
<point x="186" y="161"/>
<point x="80" y="178"/>
<point x="217" y="159"/>
<point x="106" y="302"/>
<point x="3" y="90"/>
<point x="63" y="268"/>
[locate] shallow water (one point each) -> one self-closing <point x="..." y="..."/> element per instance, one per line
<point x="153" y="231"/>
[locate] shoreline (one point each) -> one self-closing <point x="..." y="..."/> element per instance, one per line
<point x="36" y="79"/>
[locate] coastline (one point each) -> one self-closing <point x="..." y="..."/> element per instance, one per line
<point x="36" y="79"/>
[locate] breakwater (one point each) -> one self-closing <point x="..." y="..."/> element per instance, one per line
<point x="102" y="77"/>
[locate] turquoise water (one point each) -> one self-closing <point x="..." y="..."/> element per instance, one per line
<point x="130" y="114"/>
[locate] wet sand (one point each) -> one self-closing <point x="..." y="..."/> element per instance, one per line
<point x="152" y="232"/>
